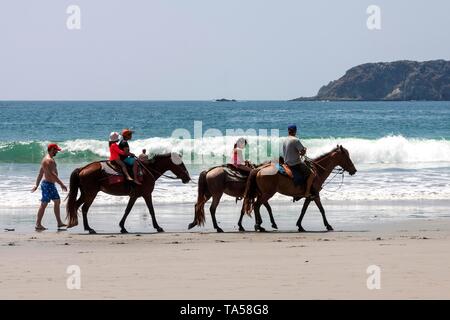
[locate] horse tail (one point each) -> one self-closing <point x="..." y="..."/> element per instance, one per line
<point x="203" y="195"/>
<point x="72" y="209"/>
<point x="251" y="189"/>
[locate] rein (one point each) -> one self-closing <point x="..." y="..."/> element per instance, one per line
<point x="155" y="171"/>
<point x="336" y="171"/>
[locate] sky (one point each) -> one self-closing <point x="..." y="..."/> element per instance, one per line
<point x="205" y="49"/>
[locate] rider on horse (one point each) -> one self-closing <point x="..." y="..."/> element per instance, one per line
<point x="237" y="157"/>
<point x="293" y="150"/>
<point x="116" y="152"/>
<point x="128" y="158"/>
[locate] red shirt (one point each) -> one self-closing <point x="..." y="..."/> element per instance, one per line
<point x="115" y="152"/>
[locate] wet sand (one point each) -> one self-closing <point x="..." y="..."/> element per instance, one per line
<point x="413" y="256"/>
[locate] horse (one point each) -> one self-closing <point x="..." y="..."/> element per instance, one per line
<point x="213" y="183"/>
<point x="263" y="183"/>
<point x="90" y="180"/>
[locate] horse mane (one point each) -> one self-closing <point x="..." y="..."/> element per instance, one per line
<point x="160" y="155"/>
<point x="324" y="155"/>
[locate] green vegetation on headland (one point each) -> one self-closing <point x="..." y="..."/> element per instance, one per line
<point x="390" y="81"/>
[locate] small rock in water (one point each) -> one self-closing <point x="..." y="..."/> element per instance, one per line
<point x="379" y="238"/>
<point x="8" y="229"/>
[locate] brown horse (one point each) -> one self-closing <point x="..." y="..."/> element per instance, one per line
<point x="213" y="183"/>
<point x="264" y="183"/>
<point x="90" y="180"/>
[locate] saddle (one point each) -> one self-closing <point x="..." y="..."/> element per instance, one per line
<point x="284" y="170"/>
<point x="234" y="174"/>
<point x="113" y="173"/>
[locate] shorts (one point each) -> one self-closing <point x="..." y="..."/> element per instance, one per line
<point x="49" y="191"/>
<point x="301" y="173"/>
<point x="129" y="161"/>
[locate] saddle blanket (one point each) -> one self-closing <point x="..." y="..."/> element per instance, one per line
<point x="112" y="176"/>
<point x="284" y="170"/>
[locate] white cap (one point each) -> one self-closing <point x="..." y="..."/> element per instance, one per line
<point x="113" y="137"/>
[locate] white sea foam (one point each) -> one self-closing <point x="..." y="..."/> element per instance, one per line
<point x="389" y="168"/>
<point x="386" y="150"/>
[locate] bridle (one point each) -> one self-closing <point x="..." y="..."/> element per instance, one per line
<point x="336" y="171"/>
<point x="158" y="172"/>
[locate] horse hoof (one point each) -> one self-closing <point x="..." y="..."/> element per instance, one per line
<point x="191" y="225"/>
<point x="274" y="226"/>
<point x="330" y="228"/>
<point x="241" y="229"/>
<point x="123" y="230"/>
<point x="259" y="228"/>
<point x="92" y="231"/>
<point x="159" y="229"/>
<point x="300" y="229"/>
<point x="219" y="230"/>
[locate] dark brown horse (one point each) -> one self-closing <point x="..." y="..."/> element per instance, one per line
<point x="213" y="183"/>
<point x="264" y="183"/>
<point x="90" y="180"/>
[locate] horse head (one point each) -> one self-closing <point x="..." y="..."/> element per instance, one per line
<point x="178" y="168"/>
<point x="344" y="160"/>
<point x="169" y="162"/>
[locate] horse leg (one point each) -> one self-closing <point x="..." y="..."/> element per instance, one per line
<point x="258" y="219"/>
<point x="322" y="211"/>
<point x="212" y="210"/>
<point x="299" y="221"/>
<point x="84" y="209"/>
<point x="269" y="210"/>
<point x="241" y="228"/>
<point x="149" y="202"/>
<point x="79" y="202"/>
<point x="125" y="215"/>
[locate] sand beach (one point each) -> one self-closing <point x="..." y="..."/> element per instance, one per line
<point x="413" y="257"/>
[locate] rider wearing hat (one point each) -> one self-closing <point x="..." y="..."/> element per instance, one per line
<point x="293" y="151"/>
<point x="116" y="152"/>
<point x="128" y="158"/>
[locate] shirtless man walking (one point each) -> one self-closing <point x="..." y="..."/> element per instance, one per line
<point x="50" y="173"/>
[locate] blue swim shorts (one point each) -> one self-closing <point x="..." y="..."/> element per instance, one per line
<point x="49" y="191"/>
<point x="129" y="161"/>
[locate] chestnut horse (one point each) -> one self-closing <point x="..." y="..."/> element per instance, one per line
<point x="264" y="183"/>
<point x="213" y="183"/>
<point x="90" y="180"/>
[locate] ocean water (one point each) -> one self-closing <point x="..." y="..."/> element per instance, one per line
<point x="401" y="149"/>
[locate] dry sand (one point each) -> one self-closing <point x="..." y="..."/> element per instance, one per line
<point x="414" y="257"/>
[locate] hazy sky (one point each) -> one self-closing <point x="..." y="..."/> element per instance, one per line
<point x="205" y="49"/>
